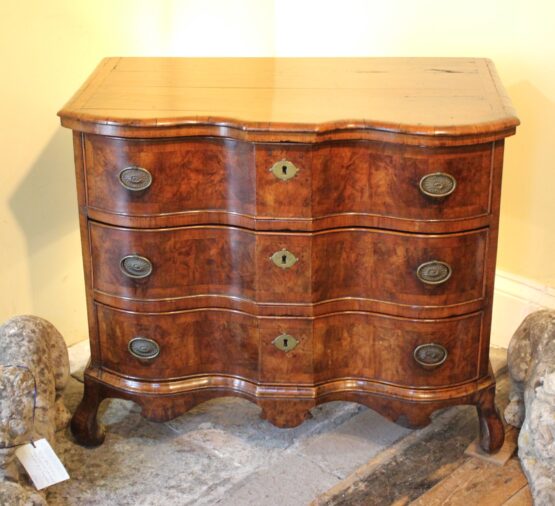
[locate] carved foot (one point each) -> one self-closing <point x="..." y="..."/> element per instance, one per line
<point x="84" y="425"/>
<point x="492" y="432"/>
<point x="285" y="414"/>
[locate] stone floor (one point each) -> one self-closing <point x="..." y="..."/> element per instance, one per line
<point x="220" y="453"/>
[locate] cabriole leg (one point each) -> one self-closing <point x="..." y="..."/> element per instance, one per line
<point x="84" y="425"/>
<point x="492" y="432"/>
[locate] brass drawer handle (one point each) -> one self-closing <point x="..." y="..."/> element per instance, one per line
<point x="135" y="266"/>
<point x="438" y="184"/>
<point x="284" y="170"/>
<point x="434" y="272"/>
<point x="284" y="259"/>
<point x="285" y="342"/>
<point x="143" y="348"/>
<point x="430" y="355"/>
<point x="135" y="179"/>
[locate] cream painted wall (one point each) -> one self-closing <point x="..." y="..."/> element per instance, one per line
<point x="48" y="48"/>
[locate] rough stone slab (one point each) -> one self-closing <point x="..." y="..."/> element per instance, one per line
<point x="239" y="420"/>
<point x="219" y="448"/>
<point x="354" y="442"/>
<point x="293" y="481"/>
<point x="145" y="469"/>
<point x="141" y="462"/>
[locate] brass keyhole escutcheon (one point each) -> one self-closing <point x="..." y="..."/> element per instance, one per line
<point x="284" y="170"/>
<point x="285" y="342"/>
<point x="284" y="259"/>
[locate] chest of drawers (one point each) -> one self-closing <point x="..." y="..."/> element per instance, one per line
<point x="291" y="231"/>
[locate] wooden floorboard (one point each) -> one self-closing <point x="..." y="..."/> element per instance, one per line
<point x="522" y="498"/>
<point x="481" y="482"/>
<point x="478" y="483"/>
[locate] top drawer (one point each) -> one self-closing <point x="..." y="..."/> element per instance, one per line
<point x="175" y="182"/>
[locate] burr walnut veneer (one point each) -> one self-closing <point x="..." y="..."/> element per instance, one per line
<point x="291" y="231"/>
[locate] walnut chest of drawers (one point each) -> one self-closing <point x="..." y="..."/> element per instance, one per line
<point x="291" y="231"/>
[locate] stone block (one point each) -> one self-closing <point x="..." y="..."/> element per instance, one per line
<point x="531" y="361"/>
<point x="34" y="370"/>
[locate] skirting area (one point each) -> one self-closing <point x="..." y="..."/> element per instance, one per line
<point x="515" y="297"/>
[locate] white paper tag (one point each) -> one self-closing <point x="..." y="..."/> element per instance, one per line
<point x="42" y="464"/>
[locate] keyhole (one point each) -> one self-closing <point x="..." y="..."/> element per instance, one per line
<point x="285" y="343"/>
<point x="284" y="169"/>
<point x="283" y="259"/>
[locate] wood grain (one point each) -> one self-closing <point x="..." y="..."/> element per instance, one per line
<point x="409" y="97"/>
<point x="497" y="485"/>
<point x="205" y="342"/>
<point x="522" y="498"/>
<point x="359" y="268"/>
<point x="207" y="180"/>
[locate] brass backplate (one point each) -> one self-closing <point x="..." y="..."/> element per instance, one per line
<point x="284" y="259"/>
<point x="438" y="184"/>
<point x="284" y="170"/>
<point x="285" y="342"/>
<point x="434" y="272"/>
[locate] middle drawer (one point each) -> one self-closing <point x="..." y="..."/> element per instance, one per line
<point x="217" y="266"/>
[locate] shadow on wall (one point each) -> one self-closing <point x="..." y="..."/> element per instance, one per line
<point x="527" y="234"/>
<point x="45" y="206"/>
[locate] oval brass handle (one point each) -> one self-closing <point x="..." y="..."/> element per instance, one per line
<point x="284" y="170"/>
<point x="284" y="259"/>
<point x="434" y="272"/>
<point x="438" y="184"/>
<point x="136" y="266"/>
<point x="143" y="348"/>
<point x="430" y="355"/>
<point x="135" y="179"/>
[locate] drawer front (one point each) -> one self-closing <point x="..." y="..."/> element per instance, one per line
<point x="179" y="176"/>
<point x="176" y="345"/>
<point x="399" y="268"/>
<point x="397" y="351"/>
<point x="268" y="268"/>
<point x="386" y="348"/>
<point x="402" y="182"/>
<point x="183" y="262"/>
<point x="289" y="186"/>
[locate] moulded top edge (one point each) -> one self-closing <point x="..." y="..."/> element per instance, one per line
<point x="250" y="97"/>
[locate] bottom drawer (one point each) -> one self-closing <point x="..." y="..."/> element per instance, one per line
<point x="400" y="351"/>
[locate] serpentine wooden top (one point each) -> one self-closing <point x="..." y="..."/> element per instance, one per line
<point x="436" y="101"/>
